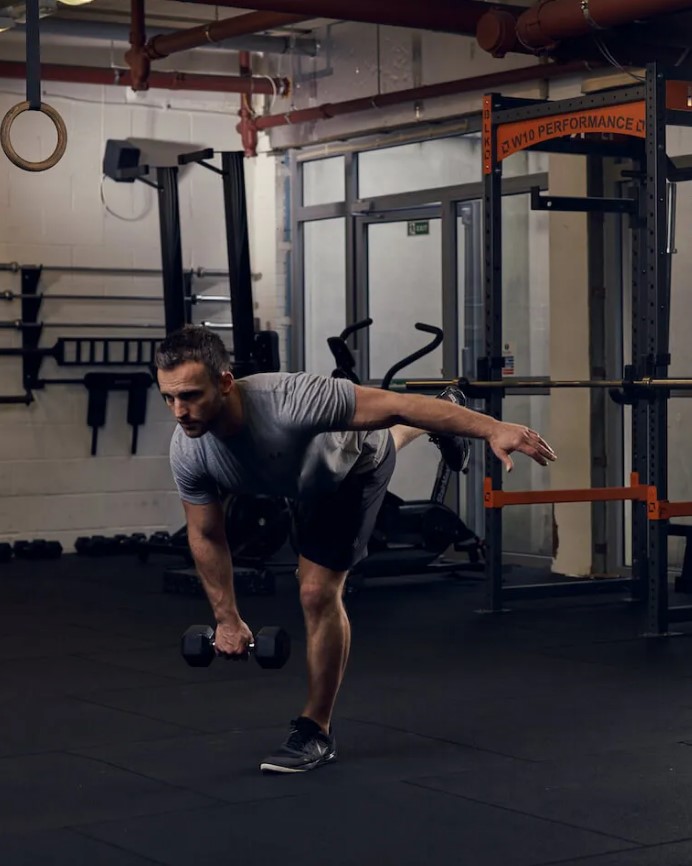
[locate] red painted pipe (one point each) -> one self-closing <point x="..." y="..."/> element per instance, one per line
<point x="162" y="80"/>
<point x="136" y="56"/>
<point x="137" y="24"/>
<point x="452" y="16"/>
<point x="241" y="25"/>
<point x="550" y="21"/>
<point x="246" y="127"/>
<point x="537" y="71"/>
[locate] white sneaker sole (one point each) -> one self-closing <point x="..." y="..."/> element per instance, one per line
<point x="277" y="768"/>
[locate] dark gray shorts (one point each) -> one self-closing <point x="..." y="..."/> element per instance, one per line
<point x="333" y="530"/>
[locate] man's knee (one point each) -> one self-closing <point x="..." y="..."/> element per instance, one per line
<point x="320" y="588"/>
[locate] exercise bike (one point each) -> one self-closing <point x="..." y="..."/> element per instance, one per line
<point x="411" y="536"/>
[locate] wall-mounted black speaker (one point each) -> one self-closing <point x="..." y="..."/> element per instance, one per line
<point x="118" y="158"/>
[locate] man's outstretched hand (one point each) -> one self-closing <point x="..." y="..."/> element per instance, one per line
<point x="507" y="438"/>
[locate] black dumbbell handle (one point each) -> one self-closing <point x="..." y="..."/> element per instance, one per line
<point x="250" y="646"/>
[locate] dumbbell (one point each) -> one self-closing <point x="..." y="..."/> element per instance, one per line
<point x="37" y="549"/>
<point x="271" y="649"/>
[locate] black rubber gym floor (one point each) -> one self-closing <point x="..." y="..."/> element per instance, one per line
<point x="552" y="734"/>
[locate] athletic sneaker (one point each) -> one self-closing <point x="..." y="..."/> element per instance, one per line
<point x="455" y="450"/>
<point x="306" y="748"/>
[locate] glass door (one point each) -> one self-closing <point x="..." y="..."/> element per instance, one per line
<point x="525" y="304"/>
<point x="400" y="262"/>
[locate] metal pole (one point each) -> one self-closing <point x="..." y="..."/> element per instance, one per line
<point x="616" y="282"/>
<point x="658" y="338"/>
<point x="640" y="410"/>
<point x="16" y="296"/>
<point x="545" y="385"/>
<point x="174" y="300"/>
<point x="473" y="349"/>
<point x="13" y="399"/>
<point x="450" y="316"/>
<point x="238" y="245"/>
<point x="353" y="302"/>
<point x="15" y="268"/>
<point x="19" y="325"/>
<point x="492" y="215"/>
<point x="597" y="361"/>
<point x="295" y="308"/>
<point x="154" y="299"/>
<point x="218" y="326"/>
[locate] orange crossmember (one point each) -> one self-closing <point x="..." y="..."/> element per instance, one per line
<point x="657" y="509"/>
<point x="499" y="498"/>
<point x="662" y="510"/>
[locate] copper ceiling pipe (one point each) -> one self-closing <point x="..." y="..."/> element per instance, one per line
<point x="162" y="80"/>
<point x="216" y="31"/>
<point x="452" y="16"/>
<point x="246" y="127"/>
<point x="548" y="22"/>
<point x="538" y="71"/>
<point x="135" y="56"/>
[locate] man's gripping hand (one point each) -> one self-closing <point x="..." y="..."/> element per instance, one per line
<point x="232" y="639"/>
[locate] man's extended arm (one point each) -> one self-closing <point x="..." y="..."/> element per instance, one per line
<point x="377" y="409"/>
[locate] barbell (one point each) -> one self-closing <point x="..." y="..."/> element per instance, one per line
<point x="470" y="386"/>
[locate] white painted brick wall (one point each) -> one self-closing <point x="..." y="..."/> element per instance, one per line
<point x="51" y="486"/>
<point x="360" y="60"/>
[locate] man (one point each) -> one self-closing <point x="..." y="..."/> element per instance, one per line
<point x="330" y="446"/>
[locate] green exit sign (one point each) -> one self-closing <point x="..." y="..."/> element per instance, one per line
<point x="418" y="227"/>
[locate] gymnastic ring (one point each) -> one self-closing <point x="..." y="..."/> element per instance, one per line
<point x="12" y="154"/>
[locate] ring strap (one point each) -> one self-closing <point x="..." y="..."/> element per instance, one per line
<point x="33" y="56"/>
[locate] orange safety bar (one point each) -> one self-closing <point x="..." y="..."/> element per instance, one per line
<point x="657" y="509"/>
<point x="661" y="509"/>
<point x="635" y="492"/>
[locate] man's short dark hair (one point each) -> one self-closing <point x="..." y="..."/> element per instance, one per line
<point x="193" y="343"/>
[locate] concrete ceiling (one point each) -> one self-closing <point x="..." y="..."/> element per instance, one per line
<point x="160" y="13"/>
<point x="175" y="14"/>
<point x="169" y="12"/>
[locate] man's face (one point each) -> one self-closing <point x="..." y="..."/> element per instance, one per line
<point x="193" y="397"/>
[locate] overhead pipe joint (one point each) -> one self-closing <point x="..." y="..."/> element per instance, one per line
<point x="136" y="57"/>
<point x="497" y="33"/>
<point x="247" y="128"/>
<point x="141" y="52"/>
<point x="140" y="68"/>
<point x="543" y="26"/>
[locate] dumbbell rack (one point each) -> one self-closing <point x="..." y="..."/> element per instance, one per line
<point x="35" y="550"/>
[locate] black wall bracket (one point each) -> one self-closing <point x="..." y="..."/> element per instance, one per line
<point x="576" y="204"/>
<point x="99" y="385"/>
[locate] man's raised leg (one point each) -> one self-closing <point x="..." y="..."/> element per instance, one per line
<point x="455" y="450"/>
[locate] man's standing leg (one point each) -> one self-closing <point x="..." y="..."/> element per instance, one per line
<point x="310" y="743"/>
<point x="328" y="637"/>
<point x="332" y="534"/>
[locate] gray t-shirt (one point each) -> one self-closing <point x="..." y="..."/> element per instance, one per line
<point x="292" y="442"/>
